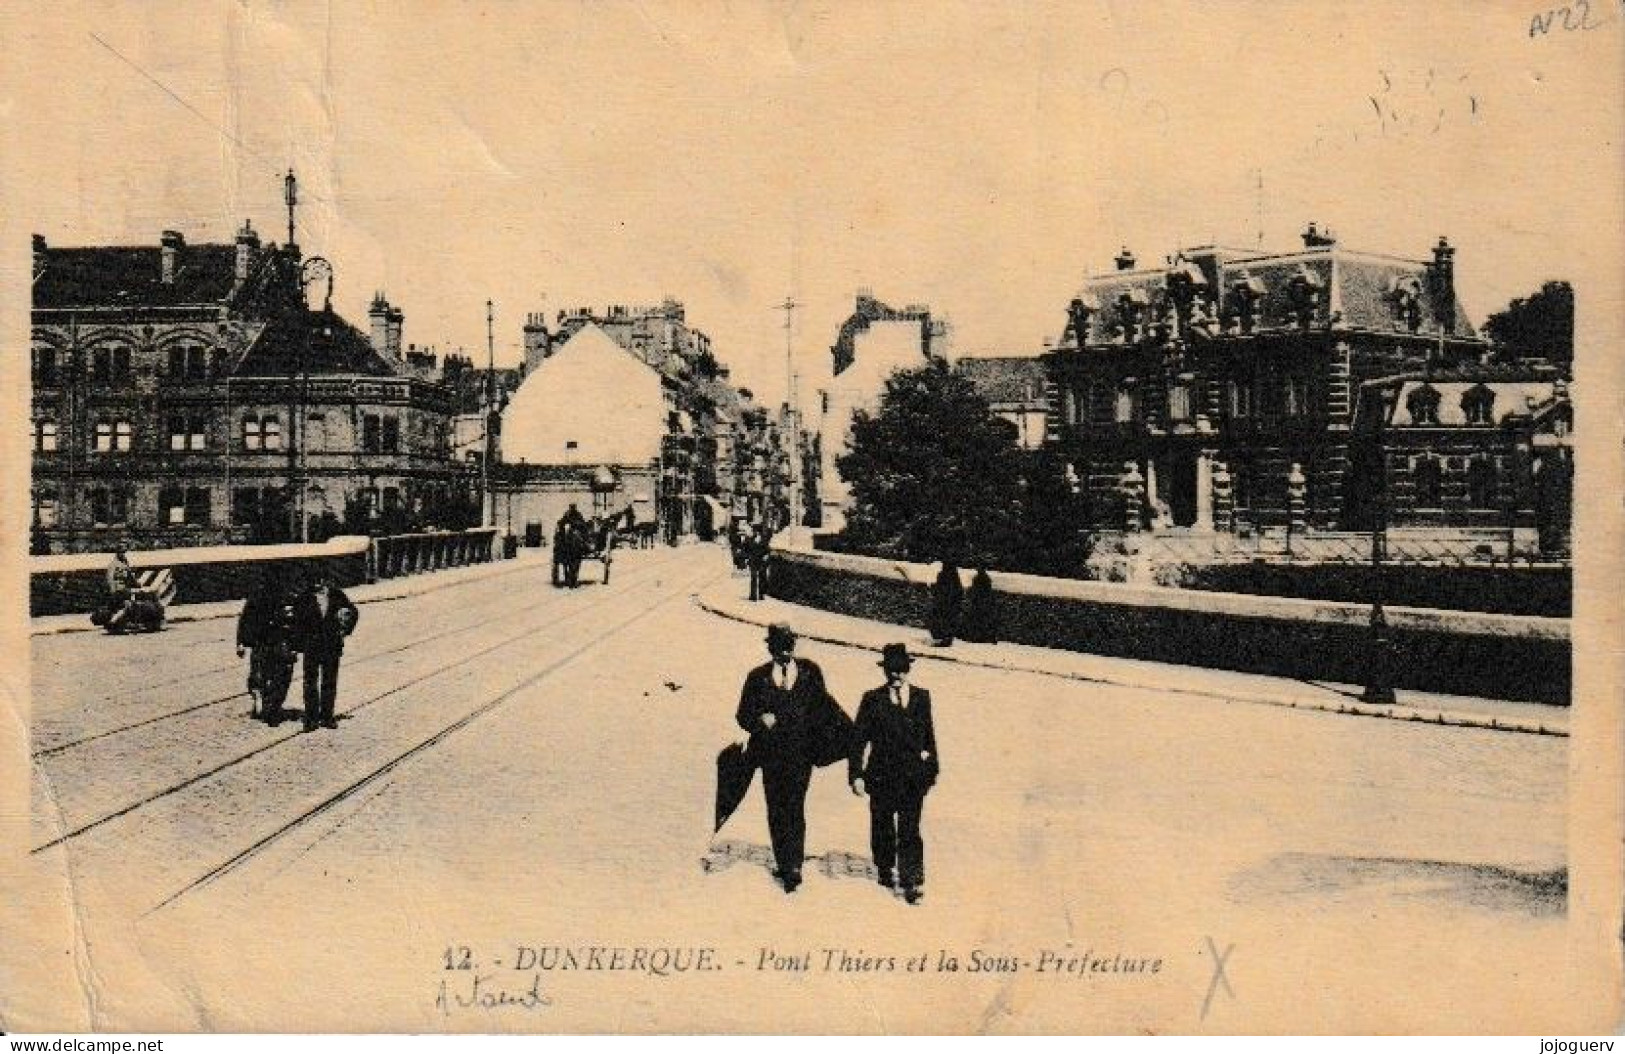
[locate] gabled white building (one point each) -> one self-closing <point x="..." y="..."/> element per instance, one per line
<point x="591" y="402"/>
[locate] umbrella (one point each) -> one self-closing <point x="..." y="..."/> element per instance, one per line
<point x="735" y="770"/>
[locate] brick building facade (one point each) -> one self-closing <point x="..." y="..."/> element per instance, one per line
<point x="187" y="395"/>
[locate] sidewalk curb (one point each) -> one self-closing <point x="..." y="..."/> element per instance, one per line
<point x="1431" y="716"/>
<point x="409" y="586"/>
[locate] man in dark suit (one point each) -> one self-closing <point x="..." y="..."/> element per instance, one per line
<point x="263" y="628"/>
<point x="760" y="549"/>
<point x="792" y="720"/>
<point x="323" y="616"/>
<point x="894" y="762"/>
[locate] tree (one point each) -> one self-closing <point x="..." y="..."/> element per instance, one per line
<point x="933" y="473"/>
<point x="1057" y="534"/>
<point x="1539" y="325"/>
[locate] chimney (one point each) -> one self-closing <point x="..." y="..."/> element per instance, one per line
<point x="1444" y="285"/>
<point x="1125" y="260"/>
<point x="248" y="243"/>
<point x="378" y="317"/>
<point x="395" y="322"/>
<point x="39" y="254"/>
<point x="1318" y="239"/>
<point x="172" y="243"/>
<point x="538" y="344"/>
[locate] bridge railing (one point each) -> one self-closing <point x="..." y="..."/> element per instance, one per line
<point x="399" y="555"/>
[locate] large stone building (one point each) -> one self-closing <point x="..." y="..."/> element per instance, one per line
<point x="874" y="342"/>
<point x="186" y="394"/>
<point x="1234" y="392"/>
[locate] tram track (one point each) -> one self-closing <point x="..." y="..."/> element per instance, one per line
<point x="523" y="634"/>
<point x="57" y="749"/>
<point x="424" y="745"/>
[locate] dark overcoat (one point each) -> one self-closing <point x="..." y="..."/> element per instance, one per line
<point x="809" y="725"/>
<point x="901" y="743"/>
<point x="317" y="634"/>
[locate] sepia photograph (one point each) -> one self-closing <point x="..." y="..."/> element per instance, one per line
<point x="784" y="518"/>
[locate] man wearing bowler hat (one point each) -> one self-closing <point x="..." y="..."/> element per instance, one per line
<point x="894" y="762"/>
<point x="793" y="724"/>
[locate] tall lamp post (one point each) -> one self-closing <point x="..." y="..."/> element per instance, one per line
<point x="488" y="501"/>
<point x="1379" y="679"/>
<point x="793" y="417"/>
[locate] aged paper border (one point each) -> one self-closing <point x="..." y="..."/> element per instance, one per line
<point x="40" y="986"/>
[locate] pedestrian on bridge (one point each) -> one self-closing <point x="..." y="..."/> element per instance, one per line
<point x="894" y="763"/>
<point x="794" y="725"/>
<point x="761" y="547"/>
<point x="323" y="616"/>
<point x="263" y="630"/>
<point x="947" y="596"/>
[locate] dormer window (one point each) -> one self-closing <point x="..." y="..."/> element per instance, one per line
<point x="1405" y="295"/>
<point x="1478" y="405"/>
<point x="1304" y="291"/>
<point x="1245" y="294"/>
<point x="1130" y="306"/>
<point x="1422" y="404"/>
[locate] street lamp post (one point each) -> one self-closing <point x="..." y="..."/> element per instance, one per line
<point x="488" y="501"/>
<point x="1379" y="680"/>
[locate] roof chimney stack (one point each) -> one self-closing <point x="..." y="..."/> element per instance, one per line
<point x="1314" y="238"/>
<point x="1444" y="285"/>
<point x="172" y="243"/>
<point x="1125" y="260"/>
<point x="538" y="342"/>
<point x="378" y="318"/>
<point x="248" y="243"/>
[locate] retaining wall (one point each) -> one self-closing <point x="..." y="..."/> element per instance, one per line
<point x="1468" y="653"/>
<point x="77" y="583"/>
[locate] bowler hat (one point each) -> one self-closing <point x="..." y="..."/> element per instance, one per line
<point x="780" y="633"/>
<point x="895" y="657"/>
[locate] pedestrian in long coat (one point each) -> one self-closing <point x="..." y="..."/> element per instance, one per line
<point x="760" y="548"/>
<point x="981" y="621"/>
<point x="794" y="725"/>
<point x="947" y="594"/>
<point x="322" y="617"/>
<point x="894" y="762"/>
<point x="263" y="630"/>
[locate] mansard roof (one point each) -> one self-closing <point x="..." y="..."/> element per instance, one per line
<point x="1352" y="290"/>
<point x="132" y="276"/>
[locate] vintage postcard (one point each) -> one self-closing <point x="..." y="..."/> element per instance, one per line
<point x="777" y="517"/>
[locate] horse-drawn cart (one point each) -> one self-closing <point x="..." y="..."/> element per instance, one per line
<point x="575" y="542"/>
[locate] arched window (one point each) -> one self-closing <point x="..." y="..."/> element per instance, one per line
<point x="1427" y="478"/>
